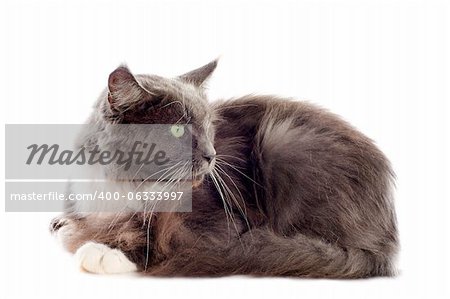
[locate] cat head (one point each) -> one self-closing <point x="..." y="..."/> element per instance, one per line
<point x="151" y="99"/>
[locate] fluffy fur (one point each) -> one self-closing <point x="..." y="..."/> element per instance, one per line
<point x="291" y="190"/>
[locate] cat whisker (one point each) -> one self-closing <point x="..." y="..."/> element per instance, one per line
<point x="163" y="176"/>
<point x="235" y="168"/>
<point x="170" y="183"/>
<point x="216" y="184"/>
<point x="229" y="156"/>
<point x="147" y="251"/>
<point x="167" y="169"/>
<point x="223" y="191"/>
<point x="232" y="196"/>
<point x="243" y="211"/>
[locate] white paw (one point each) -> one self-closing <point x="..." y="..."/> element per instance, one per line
<point x="99" y="258"/>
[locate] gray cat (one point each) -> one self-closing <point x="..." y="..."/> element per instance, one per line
<point x="280" y="188"/>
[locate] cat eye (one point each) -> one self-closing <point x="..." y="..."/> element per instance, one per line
<point x="177" y="130"/>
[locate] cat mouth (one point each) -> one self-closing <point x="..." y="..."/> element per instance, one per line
<point x="197" y="180"/>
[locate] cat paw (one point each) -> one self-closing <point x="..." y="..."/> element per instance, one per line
<point x="101" y="259"/>
<point x="63" y="229"/>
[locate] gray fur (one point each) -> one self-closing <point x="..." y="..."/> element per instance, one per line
<point x="293" y="190"/>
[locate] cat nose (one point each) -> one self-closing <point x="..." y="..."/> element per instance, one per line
<point x="209" y="157"/>
<point x="209" y="154"/>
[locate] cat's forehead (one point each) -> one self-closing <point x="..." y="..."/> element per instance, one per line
<point x="173" y="86"/>
<point x="191" y="97"/>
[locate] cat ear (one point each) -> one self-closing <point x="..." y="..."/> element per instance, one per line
<point x="199" y="76"/>
<point x="123" y="88"/>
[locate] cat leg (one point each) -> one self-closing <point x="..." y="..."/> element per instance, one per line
<point x="101" y="259"/>
<point x="99" y="252"/>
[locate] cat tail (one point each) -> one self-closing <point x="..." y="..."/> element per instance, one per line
<point x="263" y="253"/>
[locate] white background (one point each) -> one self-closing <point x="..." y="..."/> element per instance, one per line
<point x="382" y="65"/>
